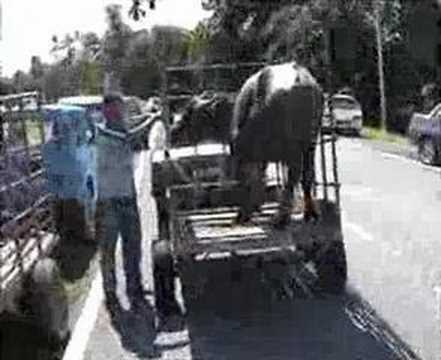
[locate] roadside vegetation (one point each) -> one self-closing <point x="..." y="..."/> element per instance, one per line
<point x="374" y="133"/>
<point x="251" y="30"/>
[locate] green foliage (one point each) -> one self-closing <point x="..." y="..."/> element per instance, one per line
<point x="23" y="82"/>
<point x="6" y="86"/>
<point x="140" y="75"/>
<point x="248" y="30"/>
<point x="91" y="80"/>
<point x="197" y="43"/>
<point x="116" y="41"/>
<point x="169" y="44"/>
<point x="137" y="11"/>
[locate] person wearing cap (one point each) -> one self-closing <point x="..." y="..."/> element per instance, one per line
<point x="117" y="211"/>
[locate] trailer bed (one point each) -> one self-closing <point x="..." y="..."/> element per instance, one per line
<point x="212" y="232"/>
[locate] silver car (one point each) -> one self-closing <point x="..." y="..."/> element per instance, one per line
<point x="347" y="112"/>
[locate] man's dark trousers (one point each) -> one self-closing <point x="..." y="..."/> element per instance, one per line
<point x="119" y="216"/>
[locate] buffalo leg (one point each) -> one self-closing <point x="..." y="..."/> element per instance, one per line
<point x="287" y="202"/>
<point x="308" y="178"/>
<point x="252" y="187"/>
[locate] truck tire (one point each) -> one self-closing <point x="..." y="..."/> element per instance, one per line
<point x="427" y="152"/>
<point x="193" y="282"/>
<point x="331" y="268"/>
<point x="164" y="279"/>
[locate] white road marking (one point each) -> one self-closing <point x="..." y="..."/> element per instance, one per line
<point x="410" y="161"/>
<point x="86" y="323"/>
<point x="358" y="191"/>
<point x="359" y="230"/>
<point x="437" y="291"/>
<point x="84" y="326"/>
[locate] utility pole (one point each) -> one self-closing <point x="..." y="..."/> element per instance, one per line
<point x="380" y="66"/>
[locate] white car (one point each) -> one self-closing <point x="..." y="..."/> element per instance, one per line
<point x="348" y="116"/>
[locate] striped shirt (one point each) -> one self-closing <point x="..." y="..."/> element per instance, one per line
<point x="115" y="169"/>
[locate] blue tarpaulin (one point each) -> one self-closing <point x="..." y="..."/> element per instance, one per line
<point x="69" y="152"/>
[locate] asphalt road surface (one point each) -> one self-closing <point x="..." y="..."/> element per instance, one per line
<point x="391" y="309"/>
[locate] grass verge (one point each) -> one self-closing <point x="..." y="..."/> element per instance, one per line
<point x="372" y="133"/>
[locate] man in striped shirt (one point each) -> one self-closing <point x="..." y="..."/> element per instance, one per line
<point x="117" y="210"/>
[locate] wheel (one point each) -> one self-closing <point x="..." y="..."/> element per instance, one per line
<point x="193" y="281"/>
<point x="164" y="279"/>
<point x="331" y="268"/>
<point x="427" y="152"/>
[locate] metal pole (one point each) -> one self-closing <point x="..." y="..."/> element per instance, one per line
<point x="380" y="67"/>
<point x="165" y="104"/>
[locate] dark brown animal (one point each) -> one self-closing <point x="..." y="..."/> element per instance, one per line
<point x="276" y="118"/>
<point x="205" y="118"/>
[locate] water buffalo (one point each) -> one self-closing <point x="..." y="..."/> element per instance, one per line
<point x="206" y="117"/>
<point x="276" y="118"/>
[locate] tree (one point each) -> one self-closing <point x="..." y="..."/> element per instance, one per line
<point x="137" y="11"/>
<point x="37" y="67"/>
<point x="169" y="44"/>
<point x="22" y="82"/>
<point x="6" y="86"/>
<point x="115" y="46"/>
<point x="91" y="77"/>
<point x="197" y="43"/>
<point x="65" y="50"/>
<point x="140" y="74"/>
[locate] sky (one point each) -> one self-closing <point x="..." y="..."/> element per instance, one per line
<point x="28" y="25"/>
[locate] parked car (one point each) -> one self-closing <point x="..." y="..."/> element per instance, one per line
<point x="425" y="132"/>
<point x="348" y="115"/>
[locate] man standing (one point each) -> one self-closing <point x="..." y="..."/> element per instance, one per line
<point x="117" y="210"/>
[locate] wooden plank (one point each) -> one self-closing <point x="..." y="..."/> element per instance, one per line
<point x="201" y="150"/>
<point x="179" y="97"/>
<point x="214" y="232"/>
<point x="243" y="244"/>
<point x="214" y="66"/>
<point x="233" y="232"/>
<point x="205" y="185"/>
<point x="217" y="210"/>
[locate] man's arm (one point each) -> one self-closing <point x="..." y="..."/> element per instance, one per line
<point x="115" y="134"/>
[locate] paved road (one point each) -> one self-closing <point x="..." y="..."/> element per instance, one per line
<point x="391" y="309"/>
<point x="392" y="208"/>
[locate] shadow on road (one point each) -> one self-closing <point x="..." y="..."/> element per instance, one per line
<point x="136" y="329"/>
<point x="22" y="339"/>
<point x="239" y="317"/>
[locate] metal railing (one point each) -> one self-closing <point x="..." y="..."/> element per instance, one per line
<point x="27" y="228"/>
